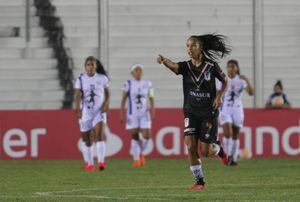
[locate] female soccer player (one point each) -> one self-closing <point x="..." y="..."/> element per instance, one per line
<point x="139" y="115"/>
<point x="232" y="112"/>
<point x="92" y="98"/>
<point x="278" y="100"/>
<point x="200" y="98"/>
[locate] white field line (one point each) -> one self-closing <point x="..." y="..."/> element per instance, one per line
<point x="63" y="193"/>
<point x="139" y="188"/>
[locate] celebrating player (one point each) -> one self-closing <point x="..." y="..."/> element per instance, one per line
<point x="139" y="115"/>
<point x="92" y="99"/>
<point x="200" y="99"/>
<point x="232" y="112"/>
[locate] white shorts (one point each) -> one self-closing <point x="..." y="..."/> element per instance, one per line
<point x="232" y="115"/>
<point x="87" y="124"/>
<point x="138" y="121"/>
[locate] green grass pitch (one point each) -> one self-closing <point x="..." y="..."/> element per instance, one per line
<point x="160" y="180"/>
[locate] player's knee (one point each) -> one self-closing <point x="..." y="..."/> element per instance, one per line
<point x="88" y="143"/>
<point x="135" y="136"/>
<point x="192" y="150"/>
<point x="99" y="138"/>
<point x="147" y="136"/>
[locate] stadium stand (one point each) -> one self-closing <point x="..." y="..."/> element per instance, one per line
<point x="26" y="82"/>
<point x="282" y="47"/>
<point x="138" y="31"/>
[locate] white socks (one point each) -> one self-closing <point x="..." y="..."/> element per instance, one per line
<point x="83" y="151"/>
<point x="87" y="154"/>
<point x="101" y="148"/>
<point x="135" y="150"/>
<point x="227" y="144"/>
<point x="235" y="149"/>
<point x="144" y="143"/>
<point x="197" y="172"/>
<point x="216" y="149"/>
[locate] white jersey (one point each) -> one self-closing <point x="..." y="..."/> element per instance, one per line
<point x="232" y="106"/>
<point x="93" y="92"/>
<point x="234" y="92"/>
<point x="138" y="94"/>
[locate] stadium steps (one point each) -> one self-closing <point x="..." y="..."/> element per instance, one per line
<point x="281" y="47"/>
<point x="30" y="105"/>
<point x="32" y="82"/>
<point x="139" y="30"/>
<point x="80" y="21"/>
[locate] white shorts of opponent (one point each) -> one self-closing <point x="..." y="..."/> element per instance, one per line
<point x="232" y="115"/>
<point x="138" y="121"/>
<point x="88" y="123"/>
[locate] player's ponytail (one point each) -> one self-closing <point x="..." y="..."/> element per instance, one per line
<point x="279" y="83"/>
<point x="100" y="69"/>
<point x="213" y="45"/>
<point x="235" y="63"/>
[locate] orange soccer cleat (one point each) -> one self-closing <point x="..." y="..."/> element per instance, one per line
<point x="143" y="160"/>
<point x="136" y="164"/>
<point x="196" y="187"/>
<point x="101" y="166"/>
<point x="90" y="168"/>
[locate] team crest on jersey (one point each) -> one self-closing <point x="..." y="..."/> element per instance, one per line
<point x="207" y="75"/>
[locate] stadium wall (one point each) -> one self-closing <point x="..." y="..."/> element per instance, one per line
<point x="54" y="134"/>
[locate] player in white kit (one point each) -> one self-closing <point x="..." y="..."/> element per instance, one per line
<point x="232" y="112"/>
<point x="140" y="113"/>
<point x="92" y="99"/>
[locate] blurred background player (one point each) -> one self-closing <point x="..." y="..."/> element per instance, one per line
<point x="100" y="70"/>
<point x="200" y="98"/>
<point x="232" y="111"/>
<point x="92" y="99"/>
<point x="278" y="100"/>
<point x="139" y="116"/>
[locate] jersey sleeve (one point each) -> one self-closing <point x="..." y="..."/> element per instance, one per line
<point x="150" y="89"/>
<point x="244" y="83"/>
<point x="218" y="85"/>
<point x="218" y="73"/>
<point x="125" y="87"/>
<point x="270" y="98"/>
<point x="106" y="82"/>
<point x="182" y="68"/>
<point x="77" y="83"/>
<point x="285" y="99"/>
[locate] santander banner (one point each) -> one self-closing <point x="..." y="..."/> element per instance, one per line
<point x="54" y="134"/>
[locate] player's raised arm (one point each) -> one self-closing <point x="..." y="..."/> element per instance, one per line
<point x="168" y="63"/>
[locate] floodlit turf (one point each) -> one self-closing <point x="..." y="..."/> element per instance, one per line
<point x="160" y="180"/>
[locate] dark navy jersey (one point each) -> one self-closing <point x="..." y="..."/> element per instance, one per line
<point x="199" y="86"/>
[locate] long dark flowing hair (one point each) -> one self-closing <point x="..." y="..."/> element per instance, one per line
<point x="213" y="45"/>
<point x="100" y="68"/>
<point x="236" y="63"/>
